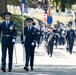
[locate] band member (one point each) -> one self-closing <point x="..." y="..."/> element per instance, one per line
<point x="9" y="34"/>
<point x="70" y="38"/>
<point x="64" y="33"/>
<point x="61" y="28"/>
<point x="56" y="36"/>
<point x="46" y="32"/>
<point x="50" y="41"/>
<point x="39" y="36"/>
<point x="63" y="36"/>
<point x="29" y="42"/>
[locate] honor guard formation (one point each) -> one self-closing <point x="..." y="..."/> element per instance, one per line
<point x="33" y="37"/>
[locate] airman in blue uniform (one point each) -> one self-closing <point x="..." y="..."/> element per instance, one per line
<point x="61" y="40"/>
<point x="50" y="38"/>
<point x="55" y="37"/>
<point x="9" y="34"/>
<point x="70" y="38"/>
<point x="29" y="42"/>
<point x="39" y="36"/>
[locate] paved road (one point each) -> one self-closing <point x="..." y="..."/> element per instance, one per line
<point x="60" y="64"/>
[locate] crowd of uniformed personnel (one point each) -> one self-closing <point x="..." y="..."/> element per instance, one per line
<point x="59" y="35"/>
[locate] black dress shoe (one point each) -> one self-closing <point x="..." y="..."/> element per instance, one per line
<point x="32" y="69"/>
<point x="3" y="69"/>
<point x="9" y="70"/>
<point x="50" y="55"/>
<point x="70" y="53"/>
<point x="26" y="68"/>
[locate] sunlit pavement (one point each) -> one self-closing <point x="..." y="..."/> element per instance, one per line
<point x="61" y="63"/>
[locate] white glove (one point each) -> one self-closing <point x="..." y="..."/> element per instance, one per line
<point x="63" y="32"/>
<point x="59" y="36"/>
<point x="32" y="44"/>
<point x="13" y="40"/>
<point x="54" y="41"/>
<point x="22" y="45"/>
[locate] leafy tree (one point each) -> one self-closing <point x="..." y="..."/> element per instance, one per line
<point x="14" y="2"/>
<point x="70" y="2"/>
<point x="3" y="4"/>
<point x="65" y="3"/>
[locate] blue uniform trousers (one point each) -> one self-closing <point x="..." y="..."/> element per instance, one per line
<point x="56" y="40"/>
<point x="29" y="56"/>
<point x="51" y="49"/>
<point x="70" y="47"/>
<point x="10" y="54"/>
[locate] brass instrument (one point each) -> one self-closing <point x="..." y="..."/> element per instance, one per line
<point x="63" y="34"/>
<point x="51" y="36"/>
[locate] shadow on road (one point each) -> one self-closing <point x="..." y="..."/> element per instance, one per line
<point x="43" y="70"/>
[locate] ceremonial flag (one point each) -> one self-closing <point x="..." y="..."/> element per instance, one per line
<point x="49" y="20"/>
<point x="25" y="10"/>
<point x="45" y="17"/>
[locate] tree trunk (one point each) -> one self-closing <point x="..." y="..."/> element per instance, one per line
<point x="57" y="7"/>
<point x="62" y="6"/>
<point x="3" y="6"/>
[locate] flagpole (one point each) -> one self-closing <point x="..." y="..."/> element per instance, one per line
<point x="49" y="11"/>
<point x="23" y="37"/>
<point x="23" y="11"/>
<point x="23" y="2"/>
<point x="49" y="8"/>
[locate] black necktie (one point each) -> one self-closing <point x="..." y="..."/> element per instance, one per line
<point x="70" y="35"/>
<point x="7" y="24"/>
<point x="28" y="28"/>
